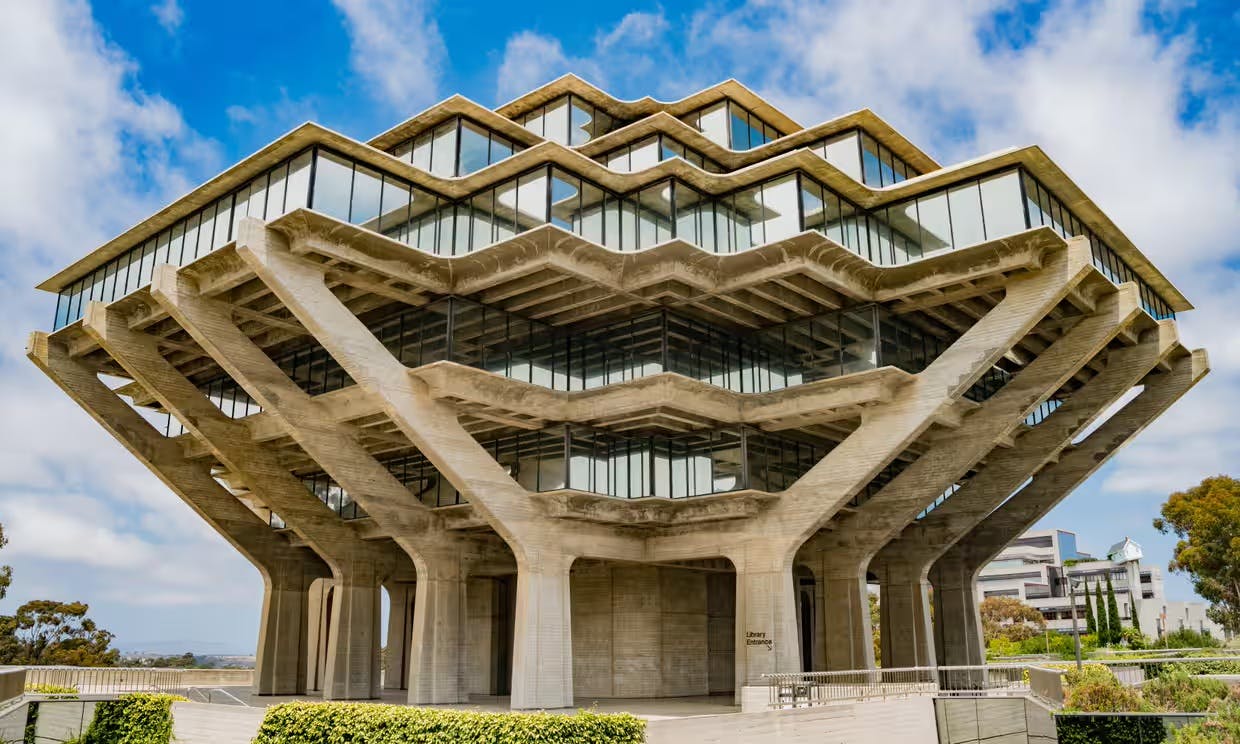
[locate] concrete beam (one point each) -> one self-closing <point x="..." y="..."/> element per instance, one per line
<point x="358" y="566"/>
<point x="843" y="555"/>
<point x="287" y="571"/>
<point x="957" y="627"/>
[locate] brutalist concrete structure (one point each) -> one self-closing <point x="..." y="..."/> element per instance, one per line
<point x="616" y="398"/>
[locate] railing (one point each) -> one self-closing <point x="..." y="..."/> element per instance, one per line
<point x="820" y="688"/>
<point x="108" y="681"/>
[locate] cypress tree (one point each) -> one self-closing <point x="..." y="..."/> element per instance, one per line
<point x="1113" y="622"/>
<point x="1100" y="619"/>
<point x="1091" y="627"/>
<point x="1136" y="616"/>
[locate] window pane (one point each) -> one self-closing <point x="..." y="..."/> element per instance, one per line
<point x="565" y="200"/>
<point x="1001" y="205"/>
<point x="421" y="155"/>
<point x="870" y="162"/>
<point x="222" y="214"/>
<point x="843" y="153"/>
<point x="298" y="182"/>
<point x="936" y="229"/>
<point x="367" y="185"/>
<point x="475" y="149"/>
<point x="581" y="128"/>
<point x="333" y="182"/>
<point x="555" y="121"/>
<point x="394" y="212"/>
<point x="713" y="122"/>
<point x="780" y="209"/>
<point x="966" y="210"/>
<point x="644" y="154"/>
<point x="531" y="203"/>
<point x="740" y="128"/>
<point x="443" y="150"/>
<point x="275" y="193"/>
<point x="655" y="215"/>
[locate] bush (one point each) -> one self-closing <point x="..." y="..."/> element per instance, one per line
<point x="1186" y="638"/>
<point x="1221" y="729"/>
<point x="1094" y="688"/>
<point x="1084" y="729"/>
<point x="138" y="718"/>
<point x="57" y="690"/>
<point x="311" y="723"/>
<point x="1181" y="692"/>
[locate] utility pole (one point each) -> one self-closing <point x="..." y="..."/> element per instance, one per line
<point x="1076" y="631"/>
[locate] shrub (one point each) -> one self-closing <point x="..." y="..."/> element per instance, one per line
<point x="57" y="690"/>
<point x="1186" y="638"/>
<point x="1221" y="729"/>
<point x="1181" y="692"/>
<point x="1093" y="688"/>
<point x="138" y="718"/>
<point x="311" y="723"/>
<point x="1084" y="729"/>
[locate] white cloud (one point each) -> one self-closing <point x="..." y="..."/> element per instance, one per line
<point x="396" y="48"/>
<point x="88" y="152"/>
<point x="632" y="50"/>
<point x="169" y="14"/>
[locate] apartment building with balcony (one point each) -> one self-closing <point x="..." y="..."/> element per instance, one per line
<point x="616" y="398"/>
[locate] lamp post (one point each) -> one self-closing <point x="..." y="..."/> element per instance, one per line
<point x="1076" y="631"/>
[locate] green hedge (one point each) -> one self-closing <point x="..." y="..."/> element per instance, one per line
<point x="1117" y="729"/>
<point x="362" y="723"/>
<point x="138" y="718"/>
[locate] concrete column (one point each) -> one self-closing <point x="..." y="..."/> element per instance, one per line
<point x="958" y="567"/>
<point x="957" y="625"/>
<point x="287" y="571"/>
<point x="280" y="664"/>
<point x="399" y="632"/>
<point x="437" y="654"/>
<point x="353" y="638"/>
<point x="766" y="616"/>
<point x="904" y="602"/>
<point x="848" y="636"/>
<point x="542" y="659"/>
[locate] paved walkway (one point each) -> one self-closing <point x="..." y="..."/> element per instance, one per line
<point x="203" y="723"/>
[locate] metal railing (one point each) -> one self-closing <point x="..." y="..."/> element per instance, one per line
<point x="819" y="688"/>
<point x="108" y="680"/>
<point x="822" y="688"/>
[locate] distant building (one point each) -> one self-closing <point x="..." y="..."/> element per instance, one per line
<point x="1036" y="567"/>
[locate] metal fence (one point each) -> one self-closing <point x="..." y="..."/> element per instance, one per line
<point x="821" y="688"/>
<point x="108" y="681"/>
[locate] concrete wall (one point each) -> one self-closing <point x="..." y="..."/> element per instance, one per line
<point x="1015" y="720"/>
<point x="651" y="631"/>
<point x="907" y="721"/>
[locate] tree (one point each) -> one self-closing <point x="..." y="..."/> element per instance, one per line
<point x="1114" y="624"/>
<point x="876" y="626"/>
<point x="1100" y="618"/>
<point x="45" y="631"/>
<point x="1091" y="627"/>
<point x="1206" y="519"/>
<point x="6" y="572"/>
<point x="1009" y="618"/>
<point x="1136" y="616"/>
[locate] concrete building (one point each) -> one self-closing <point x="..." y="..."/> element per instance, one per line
<point x="616" y="398"/>
<point x="1038" y="567"/>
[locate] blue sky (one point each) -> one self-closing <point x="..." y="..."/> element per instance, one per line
<point x="114" y="109"/>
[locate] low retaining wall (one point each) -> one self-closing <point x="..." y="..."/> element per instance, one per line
<point x="996" y="719"/>
<point x="905" y="721"/>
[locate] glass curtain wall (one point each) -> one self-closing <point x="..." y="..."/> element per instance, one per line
<point x="569" y="120"/>
<point x="457" y="147"/>
<point x="731" y="125"/>
<point x="615" y="465"/>
<point x="960" y="215"/>
<point x="861" y="157"/>
<point x="653" y="150"/>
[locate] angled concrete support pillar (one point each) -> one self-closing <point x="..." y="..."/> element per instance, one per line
<point x="957" y="630"/>
<point x="542" y="652"/>
<point x="848" y="549"/>
<point x="539" y="543"/>
<point x="847" y="640"/>
<point x="287" y="571"/>
<point x="358" y="566"/>
<point x="903" y="564"/>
